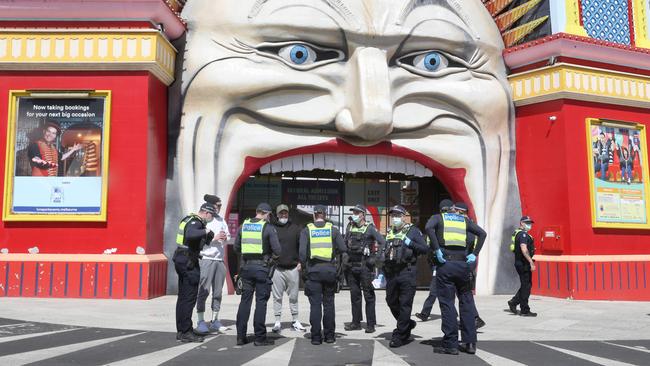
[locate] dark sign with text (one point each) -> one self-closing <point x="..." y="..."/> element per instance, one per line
<point x="311" y="192"/>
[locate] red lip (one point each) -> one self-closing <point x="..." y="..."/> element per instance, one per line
<point x="452" y="179"/>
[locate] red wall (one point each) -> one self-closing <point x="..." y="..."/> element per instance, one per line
<point x="137" y="166"/>
<point x="552" y="169"/>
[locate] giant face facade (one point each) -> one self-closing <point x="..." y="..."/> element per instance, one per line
<point x="421" y="80"/>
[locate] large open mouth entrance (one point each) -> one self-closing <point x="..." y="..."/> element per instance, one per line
<point x="339" y="188"/>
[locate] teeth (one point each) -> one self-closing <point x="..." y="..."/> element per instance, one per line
<point x="346" y="163"/>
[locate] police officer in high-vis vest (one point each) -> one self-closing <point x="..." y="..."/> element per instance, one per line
<point x="320" y="245"/>
<point x="404" y="242"/>
<point x="360" y="237"/>
<point x="192" y="235"/>
<point x="523" y="246"/>
<point x="257" y="242"/>
<point x="448" y="235"/>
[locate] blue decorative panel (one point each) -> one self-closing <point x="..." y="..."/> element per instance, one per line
<point x="607" y="20"/>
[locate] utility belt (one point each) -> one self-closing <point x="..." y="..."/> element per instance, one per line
<point x="256" y="262"/>
<point x="397" y="268"/>
<point x="455" y="257"/>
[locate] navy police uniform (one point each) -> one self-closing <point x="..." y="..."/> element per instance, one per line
<point x="360" y="270"/>
<point x="448" y="232"/>
<point x="320" y="244"/>
<point x="521" y="237"/>
<point x="403" y="245"/>
<point x="258" y="243"/>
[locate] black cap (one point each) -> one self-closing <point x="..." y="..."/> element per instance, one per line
<point x="461" y="206"/>
<point x="210" y="198"/>
<point x="264" y="207"/>
<point x="320" y="209"/>
<point x="445" y="204"/>
<point x="526" y="219"/>
<point x="208" y="207"/>
<point x="398" y="209"/>
<point x="359" y="207"/>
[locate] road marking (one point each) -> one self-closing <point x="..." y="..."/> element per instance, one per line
<point x="595" y="359"/>
<point x="162" y="356"/>
<point x="629" y="347"/>
<point x="277" y="357"/>
<point x="492" y="359"/>
<point x="32" y="335"/>
<point x="382" y="356"/>
<point x="14" y="324"/>
<point x="45" y="353"/>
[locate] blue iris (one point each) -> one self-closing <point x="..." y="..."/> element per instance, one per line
<point x="432" y="61"/>
<point x="299" y="54"/>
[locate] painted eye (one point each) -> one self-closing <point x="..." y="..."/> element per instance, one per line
<point x="298" y="54"/>
<point x="431" y="61"/>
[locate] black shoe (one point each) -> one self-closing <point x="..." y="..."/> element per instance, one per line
<point x="395" y="344"/>
<point x="266" y="342"/>
<point x="529" y="313"/>
<point x="242" y="341"/>
<point x="445" y="351"/>
<point x="413" y="324"/>
<point x="513" y="307"/>
<point x="422" y="317"/>
<point x="352" y="326"/>
<point x="467" y="348"/>
<point x="178" y="335"/>
<point x="189" y="336"/>
<point x="479" y="322"/>
<point x="370" y="329"/>
<point x="330" y="340"/>
<point x="316" y="342"/>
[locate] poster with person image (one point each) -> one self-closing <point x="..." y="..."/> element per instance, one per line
<point x="618" y="173"/>
<point x="58" y="158"/>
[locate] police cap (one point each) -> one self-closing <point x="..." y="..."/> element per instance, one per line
<point x="526" y="219"/>
<point x="210" y="198"/>
<point x="359" y="207"/>
<point x="209" y="208"/>
<point x="445" y="204"/>
<point x="320" y="209"/>
<point x="397" y="209"/>
<point x="264" y="207"/>
<point x="461" y="206"/>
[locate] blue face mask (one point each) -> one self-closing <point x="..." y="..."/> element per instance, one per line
<point x="356" y="218"/>
<point x="527" y="227"/>
<point x="397" y="222"/>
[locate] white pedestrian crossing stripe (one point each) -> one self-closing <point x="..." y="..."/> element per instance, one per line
<point x="595" y="359"/>
<point x="45" y="353"/>
<point x="492" y="359"/>
<point x="628" y="347"/>
<point x="382" y="356"/>
<point x="162" y="356"/>
<point x="32" y="335"/>
<point x="279" y="356"/>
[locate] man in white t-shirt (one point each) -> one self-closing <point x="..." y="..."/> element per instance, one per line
<point x="213" y="274"/>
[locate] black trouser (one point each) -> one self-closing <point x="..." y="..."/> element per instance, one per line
<point x="433" y="294"/>
<point x="188" y="287"/>
<point x="453" y="280"/>
<point x="320" y="288"/>
<point x="400" y="290"/>
<point x="255" y="279"/>
<point x="360" y="277"/>
<point x="526" y="279"/>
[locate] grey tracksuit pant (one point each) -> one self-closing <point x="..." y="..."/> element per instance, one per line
<point x="286" y="280"/>
<point x="213" y="274"/>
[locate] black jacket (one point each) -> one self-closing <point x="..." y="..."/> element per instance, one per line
<point x="289" y="236"/>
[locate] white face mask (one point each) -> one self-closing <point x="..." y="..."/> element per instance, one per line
<point x="527" y="227"/>
<point x="397" y="221"/>
<point x="356" y="218"/>
<point x="283" y="220"/>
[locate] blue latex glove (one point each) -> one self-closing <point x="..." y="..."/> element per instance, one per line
<point x="407" y="241"/>
<point x="471" y="258"/>
<point x="440" y="257"/>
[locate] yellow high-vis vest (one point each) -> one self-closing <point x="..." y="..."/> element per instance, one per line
<point x="455" y="230"/>
<point x="321" y="244"/>
<point x="251" y="237"/>
<point x="512" y="241"/>
<point x="180" y="234"/>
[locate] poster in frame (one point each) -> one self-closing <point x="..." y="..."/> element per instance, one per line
<point x="57" y="155"/>
<point x="618" y="174"/>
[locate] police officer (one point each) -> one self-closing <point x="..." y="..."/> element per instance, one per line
<point x="462" y="209"/>
<point x="320" y="244"/>
<point x="448" y="235"/>
<point x="257" y="241"/>
<point x="360" y="237"/>
<point x="191" y="236"/>
<point x="523" y="246"/>
<point x="404" y="242"/>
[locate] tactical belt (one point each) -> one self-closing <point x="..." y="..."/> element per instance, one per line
<point x="455" y="257"/>
<point x="255" y="262"/>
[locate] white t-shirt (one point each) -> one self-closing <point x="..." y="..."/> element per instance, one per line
<point x="214" y="252"/>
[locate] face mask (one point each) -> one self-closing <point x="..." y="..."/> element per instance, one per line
<point x="397" y="221"/>
<point x="283" y="220"/>
<point x="527" y="227"/>
<point x="356" y="218"/>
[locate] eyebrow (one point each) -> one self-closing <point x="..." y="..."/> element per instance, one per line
<point x="336" y="5"/>
<point x="453" y="5"/>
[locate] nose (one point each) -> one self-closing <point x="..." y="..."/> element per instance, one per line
<point x="369" y="108"/>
